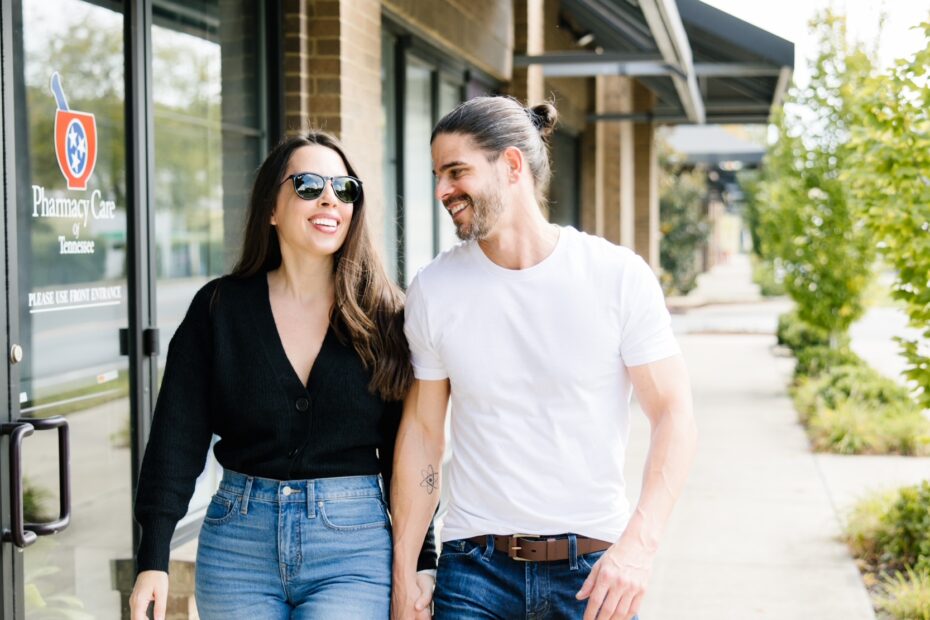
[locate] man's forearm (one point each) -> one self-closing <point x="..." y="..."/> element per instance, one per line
<point x="671" y="452"/>
<point x="415" y="491"/>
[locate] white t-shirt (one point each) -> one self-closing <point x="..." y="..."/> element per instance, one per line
<point x="537" y="363"/>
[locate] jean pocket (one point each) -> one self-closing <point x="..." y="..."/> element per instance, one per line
<point x="356" y="513"/>
<point x="588" y="560"/>
<point x="462" y="548"/>
<point x="220" y="510"/>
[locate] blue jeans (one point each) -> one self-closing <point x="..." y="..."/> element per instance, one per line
<point x="294" y="550"/>
<point x="476" y="582"/>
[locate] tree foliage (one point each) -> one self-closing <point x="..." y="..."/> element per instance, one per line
<point x="683" y="226"/>
<point x="806" y="219"/>
<point x="889" y="176"/>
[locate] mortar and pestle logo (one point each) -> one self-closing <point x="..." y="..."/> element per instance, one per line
<point x="75" y="140"/>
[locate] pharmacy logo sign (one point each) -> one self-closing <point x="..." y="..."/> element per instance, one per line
<point x="75" y="140"/>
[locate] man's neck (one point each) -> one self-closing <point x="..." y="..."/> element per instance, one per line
<point x="521" y="238"/>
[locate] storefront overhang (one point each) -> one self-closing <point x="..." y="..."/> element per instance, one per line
<point x="704" y="65"/>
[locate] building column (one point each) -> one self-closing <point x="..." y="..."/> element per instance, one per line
<point x="527" y="82"/>
<point x="646" y="167"/>
<point x="332" y="61"/>
<point x="613" y="204"/>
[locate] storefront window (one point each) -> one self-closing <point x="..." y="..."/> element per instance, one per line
<point x="71" y="243"/>
<point x="71" y="261"/>
<point x="210" y="137"/>
<point x="430" y="90"/>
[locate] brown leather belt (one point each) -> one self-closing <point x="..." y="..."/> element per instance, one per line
<point x="523" y="548"/>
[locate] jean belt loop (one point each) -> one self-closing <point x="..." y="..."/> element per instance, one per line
<point x="246" y="491"/>
<point x="489" y="548"/>
<point x="311" y="499"/>
<point x="572" y="552"/>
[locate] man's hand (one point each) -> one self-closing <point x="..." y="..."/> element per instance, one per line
<point x="617" y="583"/>
<point x="151" y="585"/>
<point x="412" y="600"/>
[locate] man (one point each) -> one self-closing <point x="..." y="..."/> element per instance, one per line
<point x="538" y="333"/>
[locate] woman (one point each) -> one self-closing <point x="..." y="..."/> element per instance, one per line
<point x="297" y="361"/>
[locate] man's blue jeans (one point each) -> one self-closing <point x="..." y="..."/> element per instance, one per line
<point x="295" y="550"/>
<point x="476" y="582"/>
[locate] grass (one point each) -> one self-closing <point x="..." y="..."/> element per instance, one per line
<point x="885" y="532"/>
<point x="851" y="409"/>
<point x="81" y="397"/>
<point x="905" y="596"/>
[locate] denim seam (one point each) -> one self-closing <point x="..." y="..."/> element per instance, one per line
<point x="230" y="511"/>
<point x="246" y="491"/>
<point x="348" y="528"/>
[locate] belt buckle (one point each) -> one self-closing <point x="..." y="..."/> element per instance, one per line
<point x="513" y="546"/>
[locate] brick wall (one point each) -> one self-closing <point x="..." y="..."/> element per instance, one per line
<point x="573" y="96"/>
<point x="647" y="180"/>
<point x="332" y="81"/>
<point x="479" y="31"/>
<point x="362" y="122"/>
<point x="526" y="83"/>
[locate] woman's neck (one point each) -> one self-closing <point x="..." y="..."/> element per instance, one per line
<point x="307" y="280"/>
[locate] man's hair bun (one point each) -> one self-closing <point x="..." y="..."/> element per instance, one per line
<point x="544" y="117"/>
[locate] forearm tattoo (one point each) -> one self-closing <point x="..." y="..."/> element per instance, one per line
<point x="430" y="479"/>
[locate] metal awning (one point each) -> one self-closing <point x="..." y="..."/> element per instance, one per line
<point x="703" y="64"/>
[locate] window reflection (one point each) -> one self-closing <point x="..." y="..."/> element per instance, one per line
<point x="210" y="137"/>
<point x="71" y="261"/>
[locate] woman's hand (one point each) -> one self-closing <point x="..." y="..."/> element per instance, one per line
<point x="426" y="582"/>
<point x="412" y="601"/>
<point x="151" y="585"/>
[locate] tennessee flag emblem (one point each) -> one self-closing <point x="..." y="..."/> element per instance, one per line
<point x="75" y="140"/>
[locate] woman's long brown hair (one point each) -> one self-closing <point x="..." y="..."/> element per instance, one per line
<point x="369" y="306"/>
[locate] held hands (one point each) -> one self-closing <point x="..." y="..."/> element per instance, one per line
<point x="151" y="585"/>
<point x="617" y="583"/>
<point x="411" y="601"/>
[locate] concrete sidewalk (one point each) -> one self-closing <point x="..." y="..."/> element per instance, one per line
<point x="756" y="534"/>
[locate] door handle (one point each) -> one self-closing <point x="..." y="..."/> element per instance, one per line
<point x="24" y="534"/>
<point x="64" y="476"/>
<point x="18" y="534"/>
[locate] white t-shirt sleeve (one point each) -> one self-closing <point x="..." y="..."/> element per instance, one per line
<point x="646" y="331"/>
<point x="427" y="364"/>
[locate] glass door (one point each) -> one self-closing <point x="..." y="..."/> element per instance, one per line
<point x="70" y="259"/>
<point x="210" y="137"/>
<point x="71" y="294"/>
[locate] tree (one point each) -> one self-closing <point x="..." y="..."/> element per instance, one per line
<point x="683" y="227"/>
<point x="806" y="217"/>
<point x="890" y="179"/>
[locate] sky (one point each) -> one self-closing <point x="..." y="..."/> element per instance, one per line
<point x="788" y="19"/>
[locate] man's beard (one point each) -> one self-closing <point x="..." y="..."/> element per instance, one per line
<point x="485" y="211"/>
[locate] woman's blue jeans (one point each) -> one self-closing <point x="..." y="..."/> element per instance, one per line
<point x="476" y="582"/>
<point x="295" y="550"/>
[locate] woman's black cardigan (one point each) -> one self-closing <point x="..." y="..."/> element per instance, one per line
<point x="227" y="375"/>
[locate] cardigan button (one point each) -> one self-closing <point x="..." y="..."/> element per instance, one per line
<point x="302" y="404"/>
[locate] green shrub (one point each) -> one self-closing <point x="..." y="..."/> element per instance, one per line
<point x="851" y="409"/>
<point x="35" y="501"/>
<point x="866" y="525"/>
<point x="856" y="428"/>
<point x="768" y="278"/>
<point x="813" y="361"/>
<point x="863" y="384"/>
<point x="907" y="537"/>
<point x="890" y="533"/>
<point x="906" y="596"/>
<point x="795" y="334"/>
<point x="682" y="225"/>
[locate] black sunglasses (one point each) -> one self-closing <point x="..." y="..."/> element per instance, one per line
<point x="310" y="185"/>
